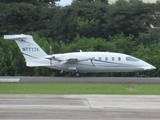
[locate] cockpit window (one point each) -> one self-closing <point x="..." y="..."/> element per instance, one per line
<point x="131" y="59"/>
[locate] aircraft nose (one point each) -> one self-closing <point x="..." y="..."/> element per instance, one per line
<point x="149" y="67"/>
<point x="153" y="67"/>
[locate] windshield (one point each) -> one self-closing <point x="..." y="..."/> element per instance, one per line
<point x="130" y="58"/>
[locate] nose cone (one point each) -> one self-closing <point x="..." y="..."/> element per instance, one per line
<point x="153" y="67"/>
<point x="146" y="66"/>
<point x="149" y="67"/>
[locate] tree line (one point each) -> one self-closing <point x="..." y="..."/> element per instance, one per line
<point x="130" y="27"/>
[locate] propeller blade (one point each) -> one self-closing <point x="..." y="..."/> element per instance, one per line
<point x="50" y="49"/>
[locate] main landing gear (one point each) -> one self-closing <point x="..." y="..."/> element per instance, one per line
<point x="77" y="74"/>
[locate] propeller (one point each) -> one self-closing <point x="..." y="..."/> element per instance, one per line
<point x="50" y="49"/>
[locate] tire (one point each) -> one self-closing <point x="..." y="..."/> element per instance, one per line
<point x="77" y="74"/>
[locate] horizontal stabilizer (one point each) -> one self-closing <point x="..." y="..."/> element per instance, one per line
<point x="13" y="37"/>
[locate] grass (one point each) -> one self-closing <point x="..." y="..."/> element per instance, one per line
<point x="135" y="89"/>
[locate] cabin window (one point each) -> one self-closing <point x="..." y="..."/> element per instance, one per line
<point x="106" y="58"/>
<point x="93" y="58"/>
<point x="119" y="58"/>
<point x="99" y="58"/>
<point x="130" y="58"/>
<point x="112" y="58"/>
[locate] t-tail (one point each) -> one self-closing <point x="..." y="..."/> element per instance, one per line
<point x="29" y="48"/>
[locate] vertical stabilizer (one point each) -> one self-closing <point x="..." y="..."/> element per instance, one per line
<point x="29" y="48"/>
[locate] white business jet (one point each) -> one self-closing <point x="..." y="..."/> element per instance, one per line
<point x="79" y="62"/>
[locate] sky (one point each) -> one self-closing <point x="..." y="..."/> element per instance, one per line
<point x="64" y="2"/>
<point x="68" y="2"/>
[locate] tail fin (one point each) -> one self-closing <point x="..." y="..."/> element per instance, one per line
<point x="29" y="48"/>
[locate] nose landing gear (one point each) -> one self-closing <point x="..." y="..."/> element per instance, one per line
<point x="77" y="74"/>
<point x="137" y="74"/>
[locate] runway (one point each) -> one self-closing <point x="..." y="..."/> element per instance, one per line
<point x="103" y="80"/>
<point x="112" y="107"/>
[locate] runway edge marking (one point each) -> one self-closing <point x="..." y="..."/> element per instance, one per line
<point x="6" y="80"/>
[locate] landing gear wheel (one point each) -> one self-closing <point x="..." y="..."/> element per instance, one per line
<point x="137" y="74"/>
<point x="77" y="74"/>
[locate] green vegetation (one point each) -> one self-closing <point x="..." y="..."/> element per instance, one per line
<point x="133" y="89"/>
<point x="90" y="25"/>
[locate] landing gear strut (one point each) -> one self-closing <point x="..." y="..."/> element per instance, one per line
<point x="137" y="74"/>
<point x="77" y="74"/>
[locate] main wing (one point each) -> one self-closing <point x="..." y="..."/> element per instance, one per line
<point x="64" y="58"/>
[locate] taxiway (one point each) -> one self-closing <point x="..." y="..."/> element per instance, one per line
<point x="112" y="107"/>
